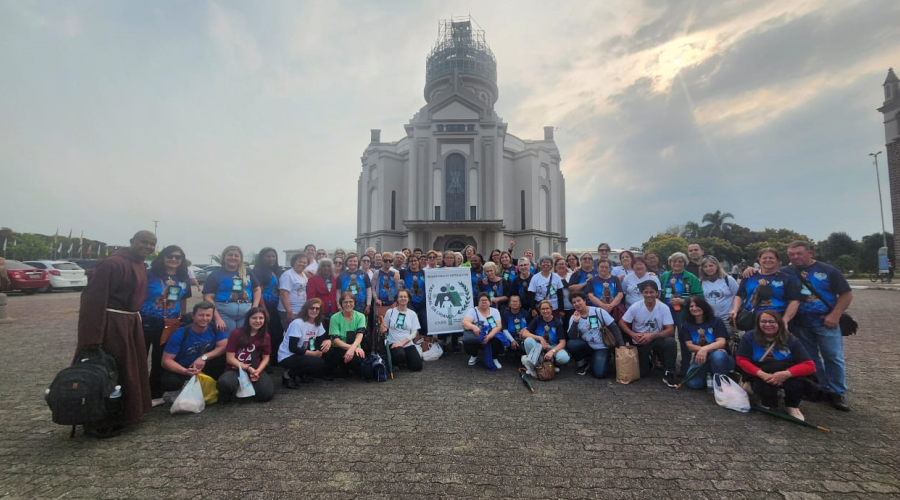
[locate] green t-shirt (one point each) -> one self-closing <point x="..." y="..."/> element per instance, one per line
<point x="343" y="329"/>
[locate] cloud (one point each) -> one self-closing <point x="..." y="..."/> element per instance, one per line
<point x="229" y="31"/>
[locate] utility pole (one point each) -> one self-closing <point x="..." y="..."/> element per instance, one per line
<point x="880" y="203"/>
<point x="155" y="224"/>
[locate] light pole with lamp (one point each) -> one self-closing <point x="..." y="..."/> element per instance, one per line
<point x="880" y="203"/>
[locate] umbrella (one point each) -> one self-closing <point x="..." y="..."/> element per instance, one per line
<point x="785" y="416"/>
<point x="387" y="349"/>
<point x="694" y="370"/>
<point x="524" y="376"/>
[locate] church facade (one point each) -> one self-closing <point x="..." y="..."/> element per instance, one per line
<point x="457" y="177"/>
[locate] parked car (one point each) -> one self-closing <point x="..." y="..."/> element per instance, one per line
<point x="87" y="264"/>
<point x="24" y="278"/>
<point x="199" y="273"/>
<point x="63" y="274"/>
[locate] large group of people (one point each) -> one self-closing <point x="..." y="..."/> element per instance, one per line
<point x="321" y="317"/>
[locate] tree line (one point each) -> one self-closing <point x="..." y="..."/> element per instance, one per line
<point x="733" y="243"/>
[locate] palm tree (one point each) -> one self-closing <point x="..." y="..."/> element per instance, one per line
<point x="716" y="225"/>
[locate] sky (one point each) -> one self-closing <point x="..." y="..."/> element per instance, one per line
<point x="243" y="123"/>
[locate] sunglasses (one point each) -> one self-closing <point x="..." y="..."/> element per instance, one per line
<point x="175" y="257"/>
<point x="603" y="250"/>
<point x="315" y="308"/>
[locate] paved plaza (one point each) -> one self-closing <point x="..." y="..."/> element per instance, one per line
<point x="456" y="431"/>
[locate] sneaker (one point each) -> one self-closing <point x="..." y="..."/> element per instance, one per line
<point x="289" y="383"/>
<point x="839" y="402"/>
<point x="582" y="369"/>
<point x="472" y="360"/>
<point x="794" y="412"/>
<point x="556" y="369"/>
<point x="157" y="402"/>
<point x="529" y="367"/>
<point x="497" y="364"/>
<point x="669" y="379"/>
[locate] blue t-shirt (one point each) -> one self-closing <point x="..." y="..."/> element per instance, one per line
<point x="169" y="289"/>
<point x="553" y="329"/>
<point x="604" y="289"/>
<point x="519" y="287"/>
<point x="763" y="292"/>
<point x="749" y="349"/>
<point x="228" y="286"/>
<point x="509" y="275"/>
<point x="187" y="350"/>
<point x="356" y="283"/>
<point x="514" y="322"/>
<point x="711" y="330"/>
<point x="386" y="288"/>
<point x="269" y="284"/>
<point x="415" y="283"/>
<point x="580" y="277"/>
<point x="828" y="281"/>
<point x="476" y="278"/>
<point x="493" y="288"/>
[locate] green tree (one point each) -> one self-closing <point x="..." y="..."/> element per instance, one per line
<point x="715" y="224"/>
<point x="30" y="247"/>
<point x="691" y="231"/>
<point x="867" y="255"/>
<point x="721" y="249"/>
<point x="837" y="244"/>
<point x="665" y="245"/>
<point x="845" y="263"/>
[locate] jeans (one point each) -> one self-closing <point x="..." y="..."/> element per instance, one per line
<point x="232" y="313"/>
<point x="826" y="347"/>
<point x="718" y="362"/>
<point x="228" y="384"/>
<point x="599" y="358"/>
<point x="561" y="358"/>
<point x="768" y="394"/>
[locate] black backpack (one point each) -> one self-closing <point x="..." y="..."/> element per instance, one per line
<point x="372" y="368"/>
<point x="80" y="394"/>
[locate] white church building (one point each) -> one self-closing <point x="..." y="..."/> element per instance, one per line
<point x="456" y="177"/>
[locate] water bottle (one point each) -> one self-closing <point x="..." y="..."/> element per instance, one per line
<point x="709" y="382"/>
<point x="116" y="393"/>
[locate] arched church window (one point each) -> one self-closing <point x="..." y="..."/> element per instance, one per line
<point x="455" y="194"/>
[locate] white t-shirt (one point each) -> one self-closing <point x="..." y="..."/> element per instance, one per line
<point x="545" y="288"/>
<point x="645" y="321"/>
<point x="298" y="329"/>
<point x="632" y="293"/>
<point x="591" y="333"/>
<point x="191" y="273"/>
<point x="476" y="317"/>
<point x="401" y="325"/>
<point x="720" y="294"/>
<point x="312" y="268"/>
<point x="295" y="284"/>
<point x="620" y="271"/>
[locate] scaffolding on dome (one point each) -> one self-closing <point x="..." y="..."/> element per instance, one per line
<point x="460" y="45"/>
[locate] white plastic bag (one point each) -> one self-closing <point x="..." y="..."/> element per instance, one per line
<point x="433" y="353"/>
<point x="730" y="395"/>
<point x="191" y="398"/>
<point x="245" y="386"/>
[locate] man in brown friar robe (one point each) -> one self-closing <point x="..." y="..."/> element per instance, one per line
<point x="109" y="318"/>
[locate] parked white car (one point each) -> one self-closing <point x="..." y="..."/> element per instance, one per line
<point x="63" y="274"/>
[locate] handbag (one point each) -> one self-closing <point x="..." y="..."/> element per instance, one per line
<point x="847" y="324"/>
<point x="609" y="340"/>
<point x="545" y="371"/>
<point x="169" y="324"/>
<point x="745" y="320"/>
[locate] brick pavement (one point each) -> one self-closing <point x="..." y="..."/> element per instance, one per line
<point x="455" y="431"/>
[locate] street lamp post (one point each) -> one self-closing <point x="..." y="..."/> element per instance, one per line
<point x="880" y="203"/>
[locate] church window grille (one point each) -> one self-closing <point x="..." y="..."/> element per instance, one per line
<point x="455" y="194"/>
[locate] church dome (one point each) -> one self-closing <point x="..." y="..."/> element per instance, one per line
<point x="461" y="48"/>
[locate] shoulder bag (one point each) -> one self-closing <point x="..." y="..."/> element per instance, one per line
<point x="169" y="325"/>
<point x="848" y="325"/>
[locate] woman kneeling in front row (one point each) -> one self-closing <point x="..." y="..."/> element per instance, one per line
<point x="402" y="325"/>
<point x="248" y="349"/>
<point x="346" y="330"/>
<point x="586" y="334"/>
<point x="774" y="359"/>
<point x="546" y="332"/>
<point x="305" y="345"/>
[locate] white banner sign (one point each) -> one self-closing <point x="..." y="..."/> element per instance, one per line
<point x="448" y="295"/>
